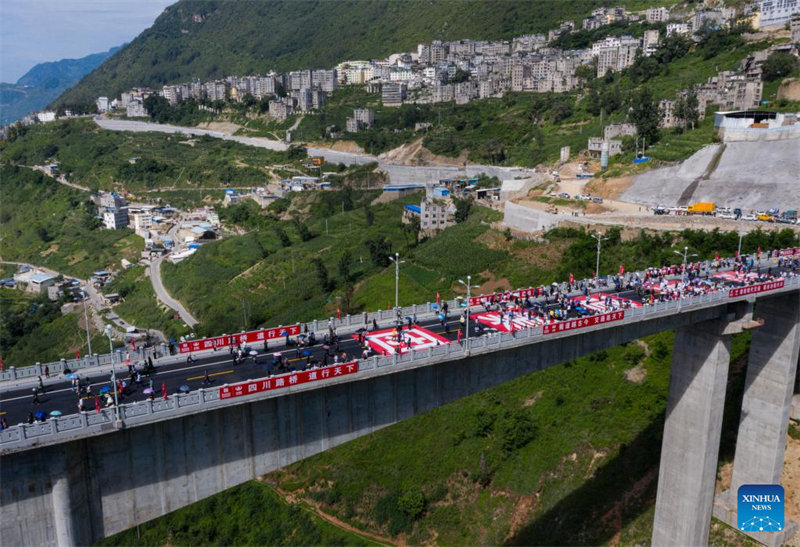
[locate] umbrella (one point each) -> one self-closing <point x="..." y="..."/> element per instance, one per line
<point x="184" y="389"/>
<point x="70" y="376"/>
<point x="306" y="353"/>
<point x="105" y="389"/>
<point x="55" y="413"/>
<point x="253" y="353"/>
<point x="362" y="329"/>
<point x="148" y="391"/>
<point x="40" y="415"/>
<point x="276" y="354"/>
<point x="172" y="340"/>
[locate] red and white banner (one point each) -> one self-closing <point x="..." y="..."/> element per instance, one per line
<point x="573" y="324"/>
<point x="735" y="277"/>
<point x="384" y="342"/>
<point x="499" y="296"/>
<point x="241" y="338"/>
<point x="519" y="322"/>
<point x="753" y="289"/>
<point x="278" y="382"/>
<point x="790" y="252"/>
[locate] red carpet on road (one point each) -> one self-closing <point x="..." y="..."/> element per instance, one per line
<point x="383" y="341"/>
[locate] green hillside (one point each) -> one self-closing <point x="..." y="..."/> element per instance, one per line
<point x="212" y="38"/>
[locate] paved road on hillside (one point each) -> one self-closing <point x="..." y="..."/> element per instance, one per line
<point x="397" y="173"/>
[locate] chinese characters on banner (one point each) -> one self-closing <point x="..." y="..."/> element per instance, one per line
<point x="278" y="382"/>
<point x="572" y="324"/>
<point x="753" y="289"/>
<point x="242" y="338"/>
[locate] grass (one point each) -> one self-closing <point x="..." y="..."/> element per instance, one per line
<point x="32" y="330"/>
<point x="248" y="514"/>
<point x="52" y="225"/>
<point x="100" y="159"/>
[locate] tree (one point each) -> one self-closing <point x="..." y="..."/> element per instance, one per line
<point x="686" y="109"/>
<point x="379" y="250"/>
<point x="322" y="274"/>
<point x="282" y="236"/>
<point x="302" y="230"/>
<point x="778" y="65"/>
<point x="463" y="208"/>
<point x="645" y="114"/>
<point x="344" y="266"/>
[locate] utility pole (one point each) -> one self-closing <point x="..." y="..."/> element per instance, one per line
<point x="107" y="330"/>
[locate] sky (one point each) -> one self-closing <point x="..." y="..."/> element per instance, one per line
<point x="36" y="31"/>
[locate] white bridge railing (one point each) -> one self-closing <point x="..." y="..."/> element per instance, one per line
<point x="64" y="428"/>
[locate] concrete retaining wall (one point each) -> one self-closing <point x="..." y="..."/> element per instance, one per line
<point x="526" y="219"/>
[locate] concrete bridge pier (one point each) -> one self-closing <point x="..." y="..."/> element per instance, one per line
<point x="692" y="428"/>
<point x="766" y="406"/>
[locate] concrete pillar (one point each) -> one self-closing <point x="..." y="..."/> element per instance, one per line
<point x="692" y="428"/>
<point x="62" y="504"/>
<point x="766" y="405"/>
<point x="768" y="391"/>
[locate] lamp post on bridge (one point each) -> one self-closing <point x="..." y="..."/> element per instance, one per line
<point x="397" y="262"/>
<point x="600" y="240"/>
<point x="469" y="289"/>
<point x="107" y="332"/>
<point x="684" y="254"/>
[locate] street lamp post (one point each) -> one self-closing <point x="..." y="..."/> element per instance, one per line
<point x="684" y="254"/>
<point x="397" y="262"/>
<point x="600" y="240"/>
<point x="469" y="287"/>
<point x="86" y="319"/>
<point x="739" y="252"/>
<point x="107" y="331"/>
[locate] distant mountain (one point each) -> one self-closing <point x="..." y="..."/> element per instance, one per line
<point x="45" y="82"/>
<point x="215" y="38"/>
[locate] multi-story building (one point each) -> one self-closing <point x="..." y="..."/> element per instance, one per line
<point x="111" y="200"/>
<point x="365" y="116"/>
<point x="281" y="109"/>
<point x="392" y="94"/>
<point x="115" y="218"/>
<point x="326" y="80"/>
<point x="135" y="109"/>
<point x="678" y="29"/>
<point x="794" y="25"/>
<point x="777" y="12"/>
<point x="595" y="146"/>
<point x="650" y="41"/>
<point x="102" y="104"/>
<point x="657" y="15"/>
<point x="618" y="130"/>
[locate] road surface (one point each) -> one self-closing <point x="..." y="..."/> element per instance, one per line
<point x="164" y="296"/>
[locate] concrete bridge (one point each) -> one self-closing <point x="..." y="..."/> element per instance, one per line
<point x="76" y="479"/>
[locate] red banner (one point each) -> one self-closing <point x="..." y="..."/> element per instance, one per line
<point x="241" y="338"/>
<point x="519" y="293"/>
<point x="279" y="382"/>
<point x="753" y="289"/>
<point x="789" y="252"/>
<point x="573" y="324"/>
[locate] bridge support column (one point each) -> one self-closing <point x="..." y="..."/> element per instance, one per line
<point x="766" y="405"/>
<point x="692" y="428"/>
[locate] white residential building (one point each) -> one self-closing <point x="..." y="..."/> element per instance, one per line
<point x="777" y="12"/>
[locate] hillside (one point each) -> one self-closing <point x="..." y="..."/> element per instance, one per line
<point x="211" y="38"/>
<point x="43" y="83"/>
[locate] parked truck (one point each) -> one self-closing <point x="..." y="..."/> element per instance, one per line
<point x="702" y="208"/>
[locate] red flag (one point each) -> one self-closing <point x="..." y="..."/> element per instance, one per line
<point x="388" y="305"/>
<point x="759" y="252"/>
<point x="164" y="390"/>
<point x="737" y="253"/>
<point x="716" y="256"/>
<point x="133" y="344"/>
<point x="621" y="269"/>
<point x="77" y="355"/>
<point x="571" y="278"/>
<point x="459" y="336"/>
<point x="338" y="313"/>
<point x="96" y="404"/>
<point x="438" y="297"/>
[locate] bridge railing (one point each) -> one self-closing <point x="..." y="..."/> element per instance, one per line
<point x="143" y="411"/>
